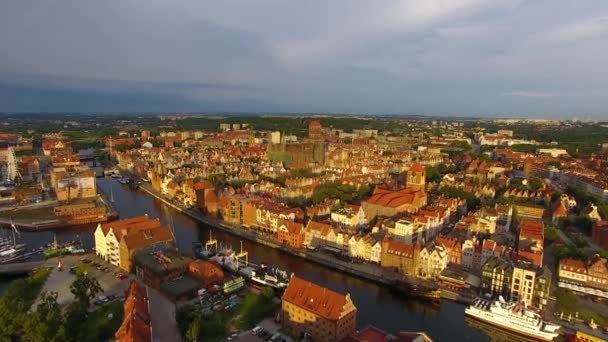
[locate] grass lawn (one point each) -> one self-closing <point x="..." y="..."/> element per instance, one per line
<point x="98" y="327"/>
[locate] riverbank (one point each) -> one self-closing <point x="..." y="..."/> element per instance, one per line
<point x="368" y="272"/>
<point x="377" y="304"/>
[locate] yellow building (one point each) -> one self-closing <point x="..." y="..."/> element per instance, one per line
<point x="309" y="310"/>
<point x="116" y="241"/>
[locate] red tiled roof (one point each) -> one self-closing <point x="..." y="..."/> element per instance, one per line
<point x="371" y="334"/>
<point x="316" y="299"/>
<point x="417" y="167"/>
<point x="535" y="258"/>
<point x="144" y="237"/>
<point x="126" y="223"/>
<point x="576" y="264"/>
<point x="393" y="199"/>
<point x="533" y="230"/>
<point x="399" y="248"/>
<point x="136" y="323"/>
<point x="559" y="209"/>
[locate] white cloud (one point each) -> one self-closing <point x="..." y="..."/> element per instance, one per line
<point x="578" y="30"/>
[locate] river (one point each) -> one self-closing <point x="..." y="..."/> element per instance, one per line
<point x="376" y="304"/>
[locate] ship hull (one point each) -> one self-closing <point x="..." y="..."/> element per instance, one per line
<point x="537" y="335"/>
<point x="264" y="283"/>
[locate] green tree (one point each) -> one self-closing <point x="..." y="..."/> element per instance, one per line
<point x="584" y="223"/>
<point x="194" y="330"/>
<point x="85" y="288"/>
<point x="551" y="234"/>
<point x="536" y="184"/>
<point x="46" y="323"/>
<point x="267" y="293"/>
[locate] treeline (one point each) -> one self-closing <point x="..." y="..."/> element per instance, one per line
<point x="47" y="321"/>
<point x="583" y="199"/>
<point x="344" y="192"/>
<point x="194" y="326"/>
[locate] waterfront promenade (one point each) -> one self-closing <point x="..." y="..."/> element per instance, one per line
<point x="369" y="272"/>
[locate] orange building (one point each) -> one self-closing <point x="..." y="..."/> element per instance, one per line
<point x="385" y="202"/>
<point x="136" y="239"/>
<point x="206" y="199"/>
<point x="207" y="272"/>
<point x="291" y="234"/>
<point x="532" y="230"/>
<point x="136" y="323"/>
<point x="309" y="310"/>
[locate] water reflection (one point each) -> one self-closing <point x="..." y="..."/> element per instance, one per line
<point x="377" y="305"/>
<point x="496" y="334"/>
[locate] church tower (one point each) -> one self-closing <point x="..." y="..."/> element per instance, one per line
<point x="416" y="177"/>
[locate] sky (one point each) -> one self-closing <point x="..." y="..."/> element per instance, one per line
<point x="536" y="58"/>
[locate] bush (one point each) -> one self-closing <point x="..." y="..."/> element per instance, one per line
<point x="255" y="307"/>
<point x="17" y="300"/>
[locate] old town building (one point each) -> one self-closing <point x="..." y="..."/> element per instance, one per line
<point x="588" y="278"/>
<point x="309" y="310"/>
<point x="400" y="256"/>
<point x="136" y="325"/>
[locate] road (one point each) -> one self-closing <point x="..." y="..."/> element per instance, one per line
<point x="162" y="317"/>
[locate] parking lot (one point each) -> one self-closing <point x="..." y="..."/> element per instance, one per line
<point x="269" y="329"/>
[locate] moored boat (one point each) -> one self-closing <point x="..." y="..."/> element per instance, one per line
<point x="515" y="317"/>
<point x="273" y="277"/>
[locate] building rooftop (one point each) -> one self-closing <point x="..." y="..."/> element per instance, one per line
<point x="160" y="259"/>
<point x="178" y="287"/>
<point x="314" y="298"/>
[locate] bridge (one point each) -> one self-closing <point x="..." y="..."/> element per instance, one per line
<point x="19" y="268"/>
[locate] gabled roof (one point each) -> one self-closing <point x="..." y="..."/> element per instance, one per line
<point x="137" y="239"/>
<point x="417" y="167"/>
<point x="316" y="299"/>
<point x="321" y="227"/>
<point x="126" y="223"/>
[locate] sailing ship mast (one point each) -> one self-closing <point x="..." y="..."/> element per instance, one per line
<point x="111" y="193"/>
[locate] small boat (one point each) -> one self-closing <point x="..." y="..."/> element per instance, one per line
<point x="273" y="277"/>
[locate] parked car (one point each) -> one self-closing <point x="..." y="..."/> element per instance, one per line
<point x="123" y="276"/>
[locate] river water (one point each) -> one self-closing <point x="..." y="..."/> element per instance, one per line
<point x="376" y="304"/>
